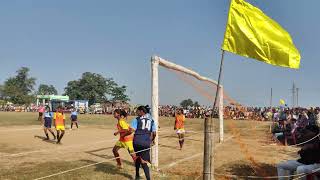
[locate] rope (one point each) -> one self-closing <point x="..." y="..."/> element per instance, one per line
<point x="268" y="177"/>
<point x="89" y="165"/>
<point x="305" y="141"/>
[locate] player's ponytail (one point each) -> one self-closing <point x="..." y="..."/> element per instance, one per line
<point x="143" y="109"/>
<point x="123" y="113"/>
<point x="148" y="109"/>
<point x="118" y="111"/>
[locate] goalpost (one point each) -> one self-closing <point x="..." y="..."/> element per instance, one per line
<point x="155" y="62"/>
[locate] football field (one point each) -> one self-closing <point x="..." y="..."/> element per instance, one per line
<point x="87" y="153"/>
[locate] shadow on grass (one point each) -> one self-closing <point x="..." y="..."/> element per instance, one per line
<point x="51" y="141"/>
<point x="241" y="168"/>
<point x="109" y="168"/>
<point x="104" y="156"/>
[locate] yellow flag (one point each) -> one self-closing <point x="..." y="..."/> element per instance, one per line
<point x="253" y="34"/>
<point x="282" y="102"/>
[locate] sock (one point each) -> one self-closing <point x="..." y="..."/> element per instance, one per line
<point x="54" y="136"/>
<point x="145" y="168"/>
<point x="47" y="135"/>
<point x="137" y="163"/>
<point x="71" y="124"/>
<point x="77" y="125"/>
<point x="58" y="136"/>
<point x="61" y="136"/>
<point x="118" y="161"/>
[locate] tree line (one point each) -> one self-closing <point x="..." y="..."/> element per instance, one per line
<point x="20" y="89"/>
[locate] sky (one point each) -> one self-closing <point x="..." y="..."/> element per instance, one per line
<point x="59" y="40"/>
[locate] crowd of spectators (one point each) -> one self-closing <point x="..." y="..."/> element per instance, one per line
<point x="295" y="125"/>
<point x="18" y="108"/>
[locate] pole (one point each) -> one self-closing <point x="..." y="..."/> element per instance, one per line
<point x="271" y="99"/>
<point x="221" y="131"/>
<point x="297" y="97"/>
<point x="208" y="164"/>
<point x="293" y="95"/>
<point x="220" y="95"/>
<point x="207" y="174"/>
<point x="155" y="113"/>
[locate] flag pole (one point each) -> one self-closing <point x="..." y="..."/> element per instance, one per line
<point x="208" y="157"/>
<point x="219" y="78"/>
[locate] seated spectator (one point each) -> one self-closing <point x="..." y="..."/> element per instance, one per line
<point x="309" y="161"/>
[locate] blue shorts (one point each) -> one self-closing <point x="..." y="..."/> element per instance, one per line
<point x="74" y="118"/>
<point x="142" y="151"/>
<point x="47" y="122"/>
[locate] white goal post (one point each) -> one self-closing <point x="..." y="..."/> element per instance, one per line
<point x="155" y="62"/>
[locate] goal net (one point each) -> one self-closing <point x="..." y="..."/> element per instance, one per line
<point x="204" y="86"/>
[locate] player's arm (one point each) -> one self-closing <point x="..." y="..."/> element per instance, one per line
<point x="133" y="125"/>
<point x="127" y="132"/>
<point x="54" y="120"/>
<point x="124" y="132"/>
<point x="154" y="132"/>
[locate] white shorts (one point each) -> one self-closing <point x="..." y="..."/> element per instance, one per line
<point x="180" y="131"/>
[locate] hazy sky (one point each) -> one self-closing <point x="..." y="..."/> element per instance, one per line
<point x="59" y="40"/>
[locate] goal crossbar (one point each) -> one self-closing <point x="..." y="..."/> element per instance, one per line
<point x="173" y="66"/>
<point x="155" y="62"/>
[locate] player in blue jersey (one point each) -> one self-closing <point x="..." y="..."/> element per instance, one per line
<point x="47" y="122"/>
<point x="144" y="129"/>
<point x="74" y="118"/>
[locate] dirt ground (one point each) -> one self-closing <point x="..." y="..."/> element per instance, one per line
<point x="248" y="150"/>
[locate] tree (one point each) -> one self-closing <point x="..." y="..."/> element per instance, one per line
<point x="119" y="94"/>
<point x="18" y="89"/>
<point x="46" y="90"/>
<point x="1" y="92"/>
<point x="196" y="104"/>
<point x="186" y="103"/>
<point x="95" y="88"/>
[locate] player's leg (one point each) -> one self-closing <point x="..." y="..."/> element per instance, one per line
<point x="116" y="154"/>
<point x="54" y="136"/>
<point x="58" y="135"/>
<point x="181" y="140"/>
<point x="145" y="168"/>
<point x="46" y="133"/>
<point x="62" y="133"/>
<point x="138" y="160"/>
<point x="137" y="165"/>
<point x="145" y="158"/>
<point x="77" y="124"/>
<point x="129" y="147"/>
<point x="71" y="124"/>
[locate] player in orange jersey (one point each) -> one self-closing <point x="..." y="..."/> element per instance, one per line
<point x="126" y="136"/>
<point x="179" y="126"/>
<point x="59" y="122"/>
